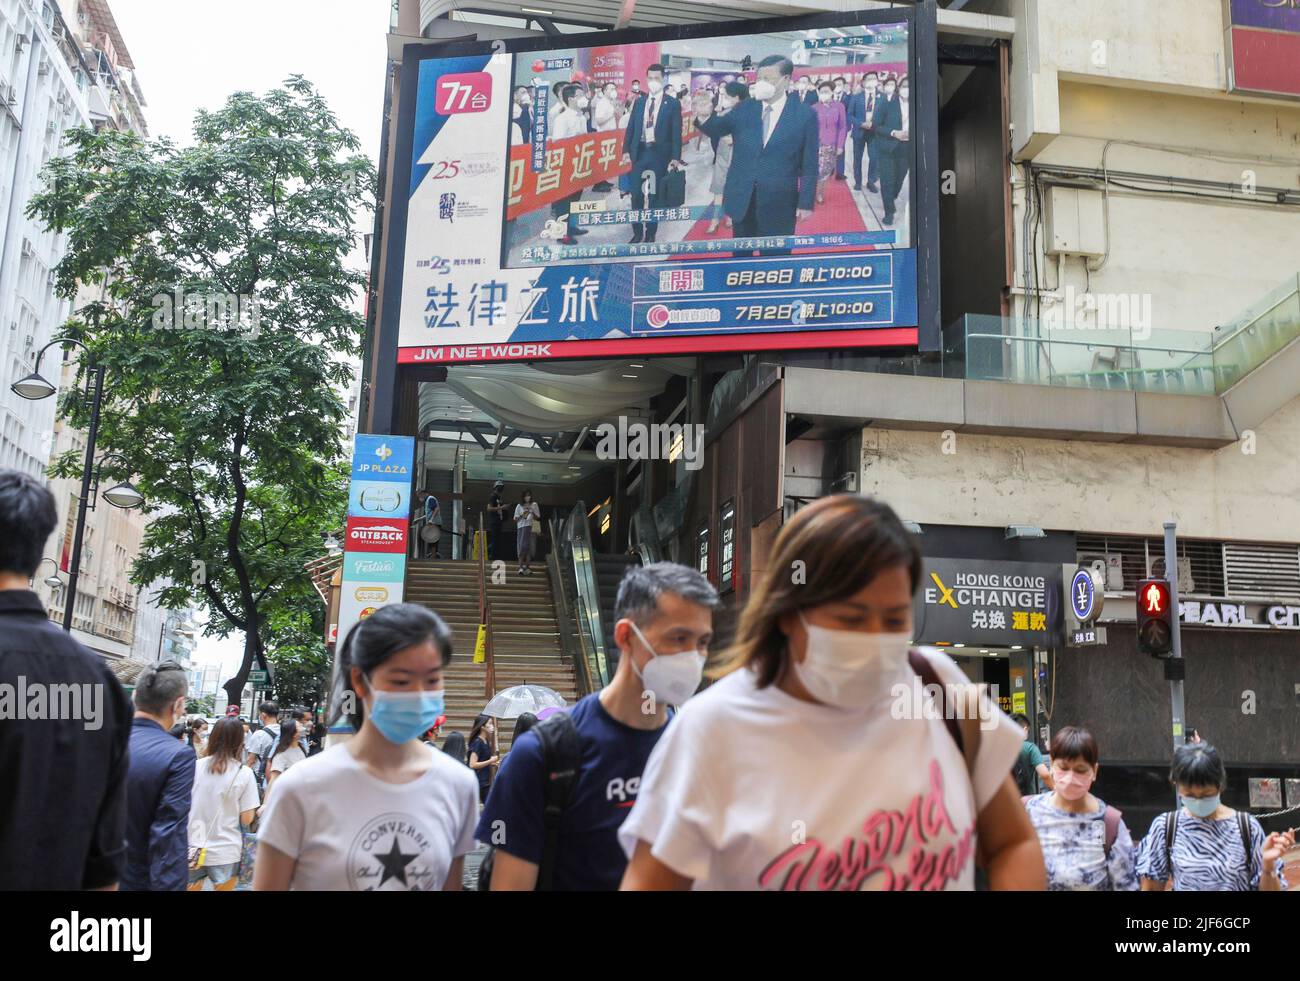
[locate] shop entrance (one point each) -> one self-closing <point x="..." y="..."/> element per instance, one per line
<point x="1008" y="670"/>
<point x="585" y="436"/>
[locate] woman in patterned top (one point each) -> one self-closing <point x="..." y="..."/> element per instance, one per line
<point x="1086" y="845"/>
<point x="1206" y="845"/>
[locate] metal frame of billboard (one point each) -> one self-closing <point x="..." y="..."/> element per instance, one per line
<point x="921" y="20"/>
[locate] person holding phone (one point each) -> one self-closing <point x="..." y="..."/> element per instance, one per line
<point x="528" y="519"/>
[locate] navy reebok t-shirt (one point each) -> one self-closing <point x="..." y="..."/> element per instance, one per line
<point x="613" y="758"/>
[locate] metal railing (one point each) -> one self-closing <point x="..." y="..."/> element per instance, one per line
<point x="571" y="638"/>
<point x="1128" y="358"/>
<point x="643" y="536"/>
<point x="580" y="550"/>
<point x="485" y="614"/>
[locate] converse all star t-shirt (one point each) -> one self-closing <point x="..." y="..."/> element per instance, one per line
<point x="349" y="830"/>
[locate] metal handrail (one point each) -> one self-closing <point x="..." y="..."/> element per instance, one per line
<point x="490" y="682"/>
<point x="1053" y="340"/>
<point x="643" y="536"/>
<point x="567" y="621"/>
<point x="482" y="571"/>
<point x="588" y="589"/>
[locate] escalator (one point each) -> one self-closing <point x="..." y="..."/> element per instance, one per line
<point x="590" y="587"/>
<point x="609" y="573"/>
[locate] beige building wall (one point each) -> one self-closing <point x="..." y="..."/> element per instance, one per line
<point x="1141" y="86"/>
<point x="1097" y="487"/>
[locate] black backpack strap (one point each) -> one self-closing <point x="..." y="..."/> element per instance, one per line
<point x="561" y="759"/>
<point x="1243" y="825"/>
<point x="922" y="666"/>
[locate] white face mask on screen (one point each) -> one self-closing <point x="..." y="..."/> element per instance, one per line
<point x="848" y="668"/>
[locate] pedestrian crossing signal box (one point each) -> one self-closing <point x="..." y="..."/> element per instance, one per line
<point x="1155" y="618"/>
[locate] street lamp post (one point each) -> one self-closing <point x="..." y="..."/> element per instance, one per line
<point x="87" y="473"/>
<point x="33" y="387"/>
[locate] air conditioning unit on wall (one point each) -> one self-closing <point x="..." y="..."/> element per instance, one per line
<point x="1186" y="584"/>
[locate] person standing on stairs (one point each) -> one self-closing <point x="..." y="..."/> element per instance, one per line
<point x="496" y="518"/>
<point x="528" y="520"/>
<point x="483" y="755"/>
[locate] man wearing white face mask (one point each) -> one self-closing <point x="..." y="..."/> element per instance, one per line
<point x="653" y="143"/>
<point x="773" y="175"/>
<point x="663" y="626"/>
<point x="802" y="768"/>
<point x="571" y="121"/>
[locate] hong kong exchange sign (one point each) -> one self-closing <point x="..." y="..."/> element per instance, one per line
<point x="1005" y="604"/>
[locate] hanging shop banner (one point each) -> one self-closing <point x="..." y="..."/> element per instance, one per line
<point x="552" y="204"/>
<point x="1262" y="39"/>
<point x="1004" y="604"/>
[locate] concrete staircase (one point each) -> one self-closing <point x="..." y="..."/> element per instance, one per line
<point x="525" y="636"/>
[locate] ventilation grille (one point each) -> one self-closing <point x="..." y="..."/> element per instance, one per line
<point x="1129" y="559"/>
<point x="1266" y="571"/>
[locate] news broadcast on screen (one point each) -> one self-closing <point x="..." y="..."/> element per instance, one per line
<point x="669" y="191"/>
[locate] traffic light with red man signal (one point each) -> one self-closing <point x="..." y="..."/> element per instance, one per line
<point x="1155" y="618"/>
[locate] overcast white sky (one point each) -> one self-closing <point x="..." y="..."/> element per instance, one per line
<point x="193" y="55"/>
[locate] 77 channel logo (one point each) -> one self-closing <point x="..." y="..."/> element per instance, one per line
<point x="463" y="92"/>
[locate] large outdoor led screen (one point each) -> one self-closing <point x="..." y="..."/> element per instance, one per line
<point x="727" y="187"/>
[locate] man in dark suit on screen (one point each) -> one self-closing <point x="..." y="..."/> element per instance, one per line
<point x="653" y="142"/>
<point x="773" y="175"/>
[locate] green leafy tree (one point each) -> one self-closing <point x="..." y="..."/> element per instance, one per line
<point x="225" y="334"/>
<point x="201" y="706"/>
<point x="300" y="660"/>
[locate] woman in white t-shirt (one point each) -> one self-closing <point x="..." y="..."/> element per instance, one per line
<point x="527" y="511"/>
<point x="224" y="794"/>
<point x="288" y="751"/>
<point x="383" y="811"/>
<point x="830" y="765"/>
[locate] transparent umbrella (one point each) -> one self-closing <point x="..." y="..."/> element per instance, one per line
<point x="514" y="702"/>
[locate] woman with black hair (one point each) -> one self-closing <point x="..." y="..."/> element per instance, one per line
<point x="528" y="520"/>
<point x="483" y="755"/>
<point x="382" y="811"/>
<point x="454" y="746"/>
<point x="1206" y="846"/>
<point x="288" y="751"/>
<point x="522" y="724"/>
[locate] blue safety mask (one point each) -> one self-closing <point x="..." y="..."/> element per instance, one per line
<point x="1201" y="807"/>
<point x="401" y="716"/>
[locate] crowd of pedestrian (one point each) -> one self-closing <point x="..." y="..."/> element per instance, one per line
<point x="788" y="771"/>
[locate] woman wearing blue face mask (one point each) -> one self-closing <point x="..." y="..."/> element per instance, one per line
<point x="1205" y="845"/>
<point x="828" y="767"/>
<point x="383" y="811"/>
